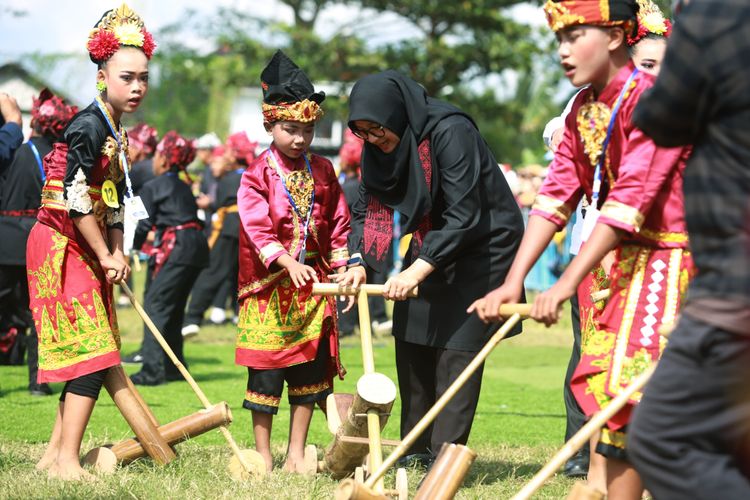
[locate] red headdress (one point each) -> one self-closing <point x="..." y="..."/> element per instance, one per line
<point x="177" y="151"/>
<point x="118" y="27"/>
<point x="562" y="14"/>
<point x="350" y="154"/>
<point x="143" y="137"/>
<point x="242" y="146"/>
<point x="50" y="115"/>
<point x="650" y="21"/>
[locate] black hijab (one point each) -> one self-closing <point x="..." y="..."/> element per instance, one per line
<point x="400" y="104"/>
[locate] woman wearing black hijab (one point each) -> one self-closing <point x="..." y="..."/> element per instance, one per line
<point x="426" y="159"/>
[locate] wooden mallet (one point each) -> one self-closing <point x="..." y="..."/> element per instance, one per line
<point x="350" y="490"/>
<point x="372" y="403"/>
<point x="592" y="427"/>
<point x="245" y="463"/>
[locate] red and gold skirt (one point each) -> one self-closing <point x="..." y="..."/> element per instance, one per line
<point x="618" y="343"/>
<point x="71" y="303"/>
<point x="282" y="326"/>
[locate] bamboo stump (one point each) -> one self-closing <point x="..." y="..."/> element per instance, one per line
<point x="375" y="394"/>
<point x="175" y="432"/>
<point x="447" y="473"/>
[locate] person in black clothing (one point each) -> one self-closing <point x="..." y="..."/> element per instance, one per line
<point x="11" y="135"/>
<point x="350" y="156"/>
<point x="211" y="287"/>
<point x="426" y="159"/>
<point x="20" y="192"/>
<point x="690" y="435"/>
<point x="142" y="140"/>
<point x="179" y="253"/>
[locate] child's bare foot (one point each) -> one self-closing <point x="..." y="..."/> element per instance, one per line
<point x="294" y="465"/>
<point x="69" y="471"/>
<point x="49" y="458"/>
<point x="269" y="461"/>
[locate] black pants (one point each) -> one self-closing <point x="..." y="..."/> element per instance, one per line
<point x="690" y="435"/>
<point x="424" y="373"/>
<point x="222" y="269"/>
<point x="165" y="299"/>
<point x="574" y="416"/>
<point x="15" y="313"/>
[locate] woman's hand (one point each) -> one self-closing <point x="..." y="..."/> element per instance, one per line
<point x="548" y="305"/>
<point x="354" y="277"/>
<point x="488" y="307"/>
<point x="399" y="286"/>
<point x="115" y="268"/>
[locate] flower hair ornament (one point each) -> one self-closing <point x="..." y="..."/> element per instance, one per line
<point x="50" y="114"/>
<point x="119" y="27"/>
<point x="650" y="20"/>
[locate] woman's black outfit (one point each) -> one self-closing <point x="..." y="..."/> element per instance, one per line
<point x="452" y="195"/>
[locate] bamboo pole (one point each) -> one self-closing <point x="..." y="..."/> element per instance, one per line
<point x="139" y="420"/>
<point x="430" y="416"/>
<point x="584" y="434"/>
<point x="336" y="289"/>
<point x="189" y="378"/>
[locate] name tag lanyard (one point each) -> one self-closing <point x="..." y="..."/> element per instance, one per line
<point x="306" y="217"/>
<point x="592" y="213"/>
<point x="135" y="203"/>
<point x="38" y="160"/>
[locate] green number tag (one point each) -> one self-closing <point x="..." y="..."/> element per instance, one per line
<point x="109" y="194"/>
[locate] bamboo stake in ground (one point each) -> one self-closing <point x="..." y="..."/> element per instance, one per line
<point x="239" y="454"/>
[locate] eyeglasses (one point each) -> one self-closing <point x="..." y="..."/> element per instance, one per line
<point x="378" y="131"/>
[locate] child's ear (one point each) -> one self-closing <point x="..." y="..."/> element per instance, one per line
<point x="616" y="37"/>
<point x="268" y="127"/>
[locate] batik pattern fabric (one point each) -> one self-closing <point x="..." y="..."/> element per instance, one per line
<point x="283" y="326"/>
<point x="72" y="308"/>
<point x="647" y="286"/>
<point x="70" y="299"/>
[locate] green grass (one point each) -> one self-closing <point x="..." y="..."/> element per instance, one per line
<point x="519" y="424"/>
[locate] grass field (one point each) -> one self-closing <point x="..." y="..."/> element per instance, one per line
<point x="520" y="423"/>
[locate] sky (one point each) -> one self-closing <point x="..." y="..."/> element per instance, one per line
<point x="62" y="25"/>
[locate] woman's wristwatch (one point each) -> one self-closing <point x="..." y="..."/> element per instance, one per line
<point x="354" y="260"/>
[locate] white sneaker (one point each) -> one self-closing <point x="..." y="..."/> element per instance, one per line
<point x="381" y="329"/>
<point x="218" y="315"/>
<point x="189" y="331"/>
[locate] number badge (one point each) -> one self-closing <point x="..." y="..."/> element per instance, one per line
<point x="109" y="194"/>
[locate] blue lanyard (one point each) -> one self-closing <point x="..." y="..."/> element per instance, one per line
<point x="308" y="216"/>
<point x="38" y="160"/>
<point x="603" y="155"/>
<point x="118" y="139"/>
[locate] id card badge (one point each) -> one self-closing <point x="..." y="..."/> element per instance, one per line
<point x="592" y="215"/>
<point x="134" y="208"/>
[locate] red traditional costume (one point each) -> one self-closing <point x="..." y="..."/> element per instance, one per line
<point x="279" y="325"/>
<point x="642" y="195"/>
<point x="70" y="298"/>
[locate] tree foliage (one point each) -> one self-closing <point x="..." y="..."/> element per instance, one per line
<point x="455" y="49"/>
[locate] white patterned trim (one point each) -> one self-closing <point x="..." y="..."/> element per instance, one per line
<point x="77" y="194"/>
